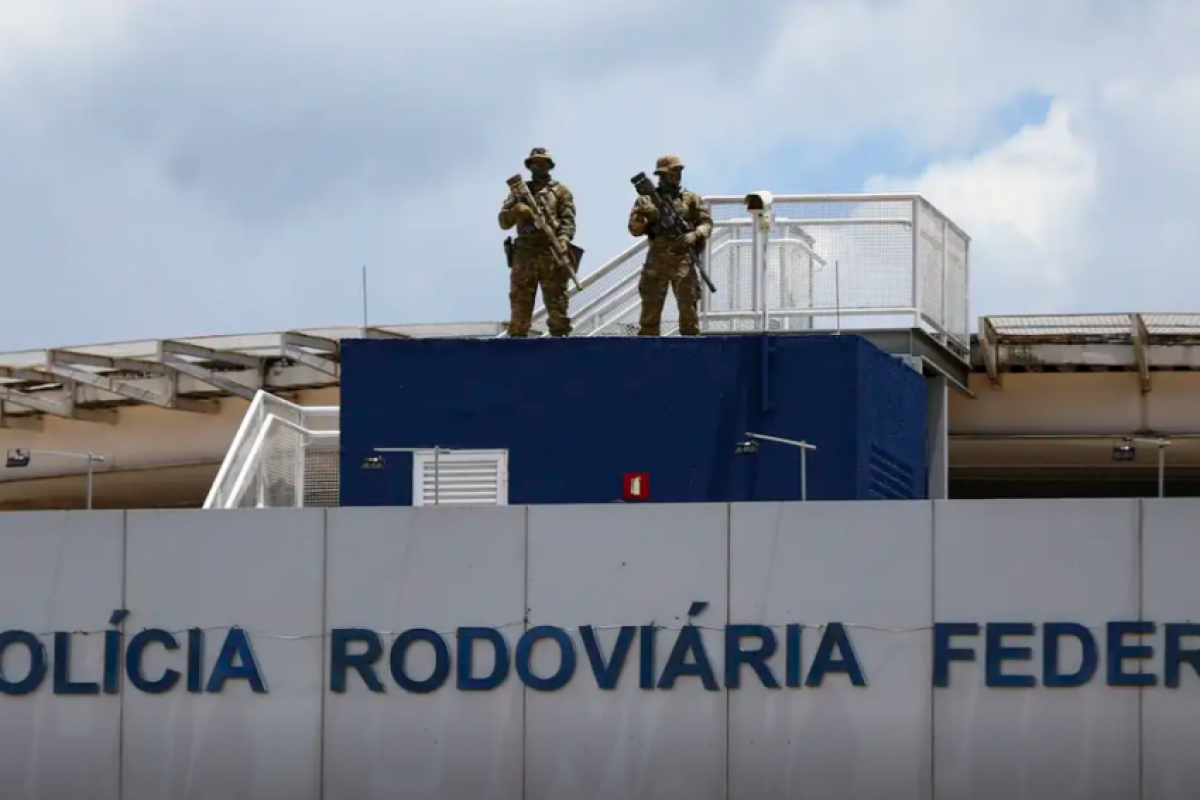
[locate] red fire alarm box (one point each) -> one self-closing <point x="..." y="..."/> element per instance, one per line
<point x="637" y="486"/>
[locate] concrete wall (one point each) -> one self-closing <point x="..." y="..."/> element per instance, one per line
<point x="886" y="570"/>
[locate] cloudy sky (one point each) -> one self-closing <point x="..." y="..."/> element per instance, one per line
<point x="177" y="168"/>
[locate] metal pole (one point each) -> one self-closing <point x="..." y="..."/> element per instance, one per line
<point x="1162" y="464"/>
<point x="756" y="269"/>
<point x="804" y="448"/>
<point x="762" y="266"/>
<point x="89" y="481"/>
<point x="803" y="474"/>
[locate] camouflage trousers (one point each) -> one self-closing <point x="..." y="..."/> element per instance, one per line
<point x="531" y="268"/>
<point x="669" y="270"/>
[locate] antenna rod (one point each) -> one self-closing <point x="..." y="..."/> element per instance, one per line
<point x="364" y="295"/>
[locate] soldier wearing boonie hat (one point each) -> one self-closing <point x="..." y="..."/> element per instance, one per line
<point x="532" y="261"/>
<point x="668" y="264"/>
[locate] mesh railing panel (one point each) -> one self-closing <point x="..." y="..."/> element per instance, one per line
<point x="593" y="306"/>
<point x="942" y="267"/>
<point x="865" y="246"/>
<point x="280" y="462"/>
<point x="958" y="291"/>
<point x="241" y="451"/>
<point x="855" y="256"/>
<point x="930" y="267"/>
<point x="321" y="470"/>
<point x="824" y="255"/>
<point x="279" y="457"/>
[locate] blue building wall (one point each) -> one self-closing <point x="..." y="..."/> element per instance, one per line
<point x="578" y="414"/>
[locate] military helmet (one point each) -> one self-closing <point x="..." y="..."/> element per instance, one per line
<point x="539" y="154"/>
<point x="666" y="164"/>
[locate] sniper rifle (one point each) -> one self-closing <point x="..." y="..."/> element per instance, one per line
<point x="669" y="222"/>
<point x="567" y="258"/>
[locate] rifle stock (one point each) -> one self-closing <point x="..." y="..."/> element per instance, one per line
<point x="670" y="222"/>
<point x="567" y="258"/>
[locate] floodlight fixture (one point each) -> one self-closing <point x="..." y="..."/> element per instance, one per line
<point x="803" y="446"/>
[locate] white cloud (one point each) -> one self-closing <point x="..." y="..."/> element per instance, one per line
<point x="1089" y="211"/>
<point x="31" y="30"/>
<point x="1027" y="205"/>
<point x="250" y="161"/>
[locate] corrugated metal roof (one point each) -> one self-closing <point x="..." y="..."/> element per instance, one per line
<point x="1083" y="327"/>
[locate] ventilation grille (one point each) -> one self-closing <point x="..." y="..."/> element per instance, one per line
<point x="461" y="478"/>
<point x="889" y="478"/>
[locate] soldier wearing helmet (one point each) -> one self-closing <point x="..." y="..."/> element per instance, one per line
<point x="667" y="262"/>
<point x="532" y="261"/>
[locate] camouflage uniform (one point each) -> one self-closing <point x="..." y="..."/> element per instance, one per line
<point x="532" y="260"/>
<point x="666" y="263"/>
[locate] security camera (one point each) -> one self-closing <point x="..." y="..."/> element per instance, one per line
<point x="759" y="201"/>
<point x="761" y="207"/>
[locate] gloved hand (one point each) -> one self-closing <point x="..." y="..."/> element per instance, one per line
<point x="689" y="239"/>
<point x="524" y="213"/>
<point x="563" y="242"/>
<point x="647" y="209"/>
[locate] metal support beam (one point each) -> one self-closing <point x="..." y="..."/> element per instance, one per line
<point x="292" y="345"/>
<point x="213" y="379"/>
<point x="1141" y="341"/>
<point x="174" y="353"/>
<point x="987" y="348"/>
<point x="66" y="410"/>
<point x="227" y="357"/>
<point x="26" y="375"/>
<point x="33" y="402"/>
<point x="60" y="363"/>
<point x="104" y="362"/>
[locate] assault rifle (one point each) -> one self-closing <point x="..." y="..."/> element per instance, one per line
<point x="570" y="257"/>
<point x="670" y="223"/>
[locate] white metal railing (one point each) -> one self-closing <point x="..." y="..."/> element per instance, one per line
<point x="283" y="455"/>
<point x="824" y="261"/>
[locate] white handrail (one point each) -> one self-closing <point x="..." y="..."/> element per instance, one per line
<point x="251" y="463"/>
<point x="242" y="432"/>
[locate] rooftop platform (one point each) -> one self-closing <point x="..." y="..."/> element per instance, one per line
<point x="1026" y="392"/>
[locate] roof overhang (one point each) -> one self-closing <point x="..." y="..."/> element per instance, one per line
<point x="1125" y="342"/>
<point x="88" y="383"/>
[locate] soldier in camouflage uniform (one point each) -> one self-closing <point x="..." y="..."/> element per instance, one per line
<point x="667" y="263"/>
<point x="532" y="259"/>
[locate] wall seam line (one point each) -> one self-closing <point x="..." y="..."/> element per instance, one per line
<point x="324" y="640"/>
<point x="728" y="611"/>
<point x="933" y="515"/>
<point x="1140" y="519"/>
<point x="121" y="672"/>
<point x="524" y="688"/>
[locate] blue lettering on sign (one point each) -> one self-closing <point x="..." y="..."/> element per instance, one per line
<point x="235" y="661"/>
<point x="483" y="659"/>
<point x="1010" y="643"/>
<point x="748" y="650"/>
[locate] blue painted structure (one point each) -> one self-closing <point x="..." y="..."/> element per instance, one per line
<point x="578" y="414"/>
